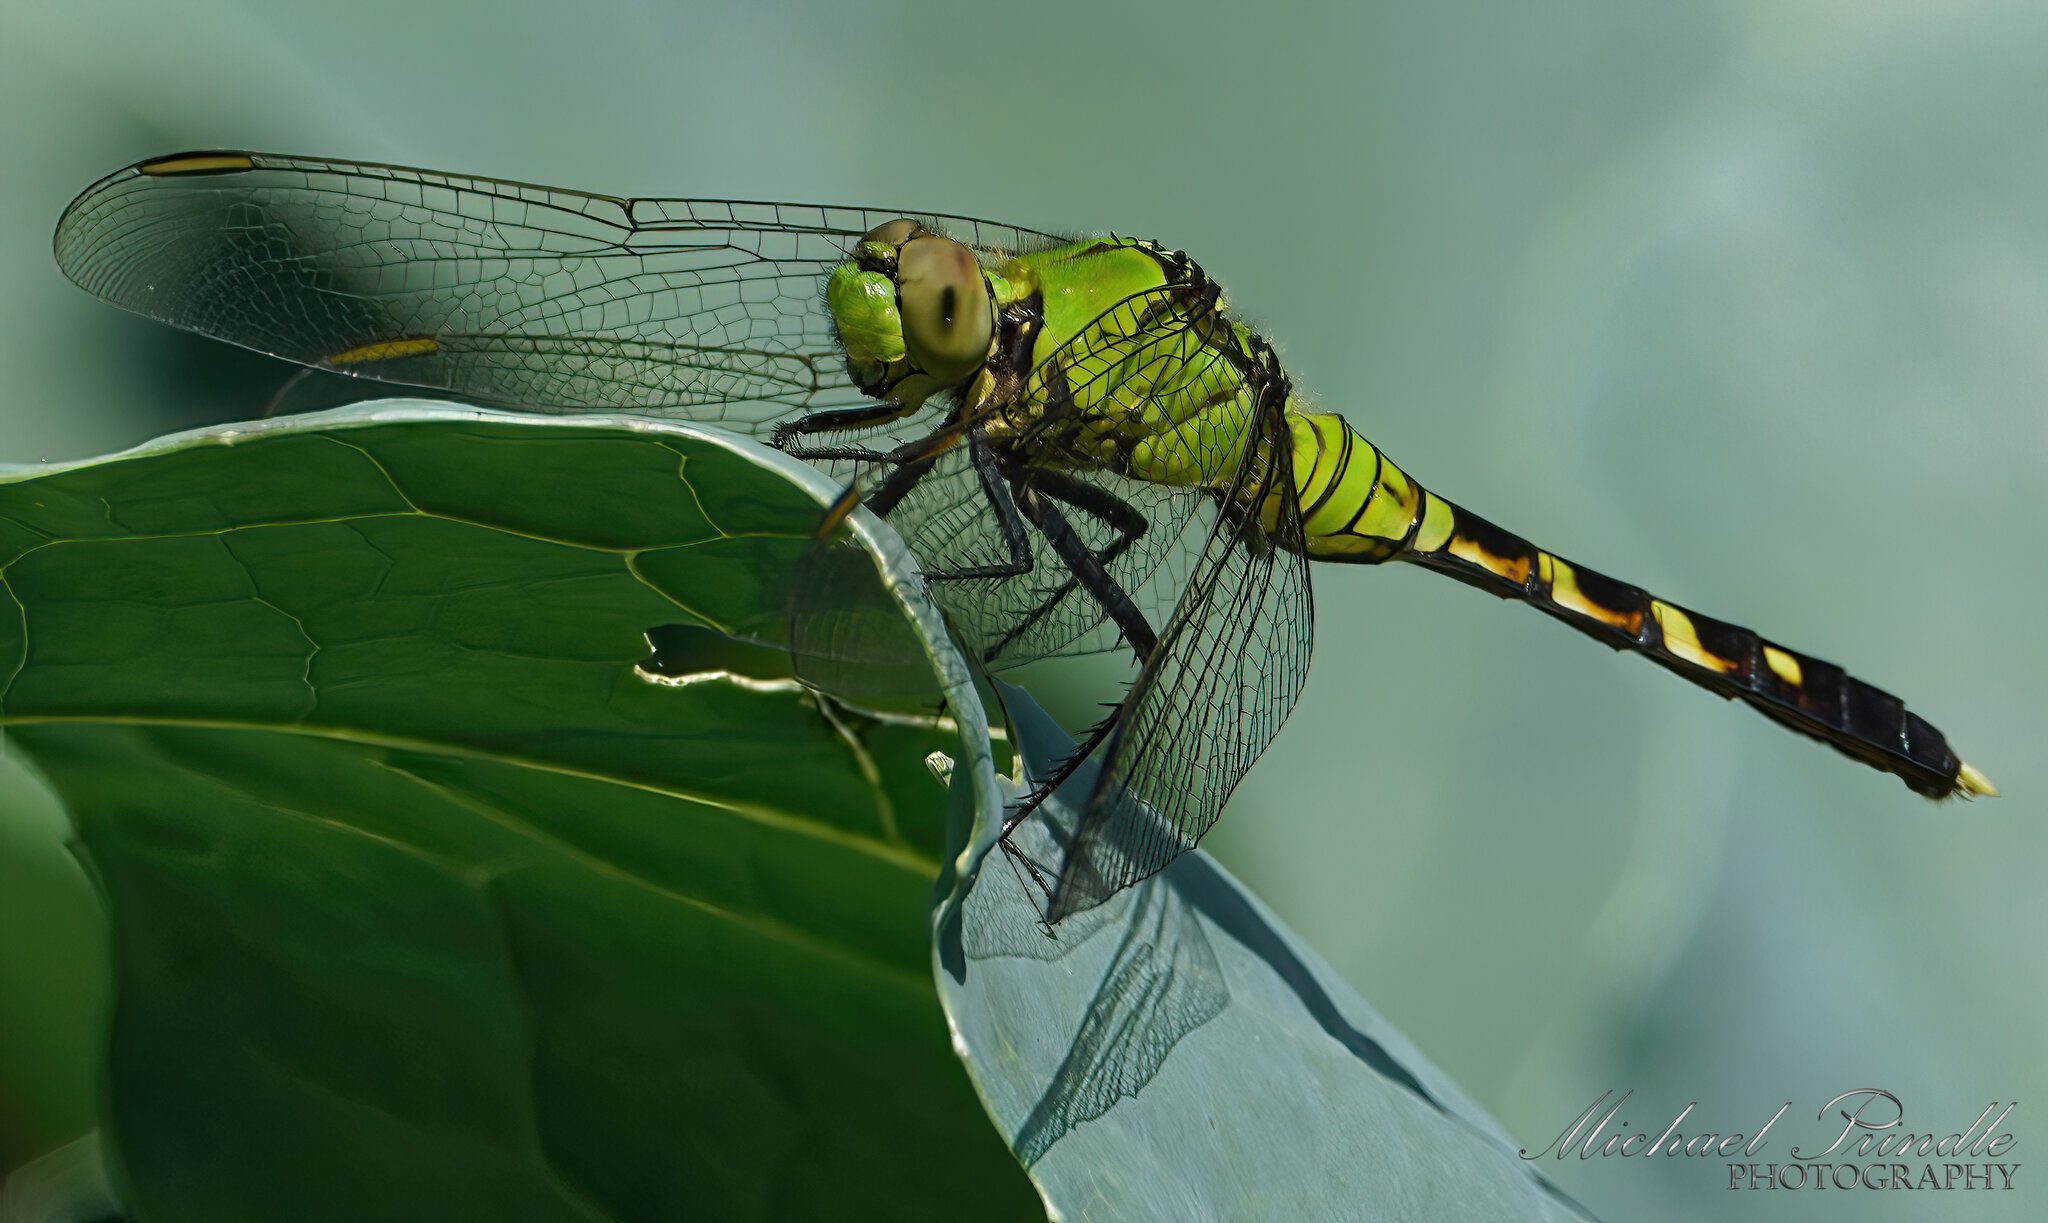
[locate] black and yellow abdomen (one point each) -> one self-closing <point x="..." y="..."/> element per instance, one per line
<point x="1357" y="506"/>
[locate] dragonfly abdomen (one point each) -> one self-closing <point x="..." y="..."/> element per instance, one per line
<point x="1357" y="506"/>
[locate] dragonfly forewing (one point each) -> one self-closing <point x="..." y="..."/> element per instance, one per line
<point x="498" y="292"/>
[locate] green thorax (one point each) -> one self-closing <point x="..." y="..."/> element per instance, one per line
<point x="1164" y="413"/>
<point x="1074" y="284"/>
<point x="1163" y="402"/>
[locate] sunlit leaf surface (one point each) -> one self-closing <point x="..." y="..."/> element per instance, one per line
<point x="426" y="903"/>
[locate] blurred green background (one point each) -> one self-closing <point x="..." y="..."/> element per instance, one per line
<point x="1743" y="302"/>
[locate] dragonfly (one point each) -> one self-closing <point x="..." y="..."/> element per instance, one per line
<point x="1079" y="441"/>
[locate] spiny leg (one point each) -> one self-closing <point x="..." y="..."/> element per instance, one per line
<point x="1123" y="518"/>
<point x="1089" y="570"/>
<point x="1092" y="576"/>
<point x="837" y="420"/>
<point x="914" y="461"/>
<point x="1040" y="791"/>
<point x="898" y="484"/>
<point x="823" y="454"/>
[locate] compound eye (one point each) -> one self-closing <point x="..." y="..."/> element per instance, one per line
<point x="891" y="234"/>
<point x="947" y="320"/>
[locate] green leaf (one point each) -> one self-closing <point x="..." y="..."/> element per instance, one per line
<point x="433" y="896"/>
<point x="1177" y="1053"/>
<point x="426" y="903"/>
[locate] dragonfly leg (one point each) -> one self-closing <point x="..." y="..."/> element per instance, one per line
<point x="1123" y="518"/>
<point x="1021" y="809"/>
<point x="1089" y="571"/>
<point x="837" y="420"/>
<point x="819" y="454"/>
<point x="1120" y="515"/>
<point x="914" y="460"/>
<point x="997" y="491"/>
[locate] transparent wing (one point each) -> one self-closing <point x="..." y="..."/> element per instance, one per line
<point x="1150" y="536"/>
<point x="1160" y="984"/>
<point x="1229" y="666"/>
<point x="1219" y="570"/>
<point x="502" y="292"/>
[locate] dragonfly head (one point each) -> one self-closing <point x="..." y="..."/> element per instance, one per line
<point x="916" y="313"/>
